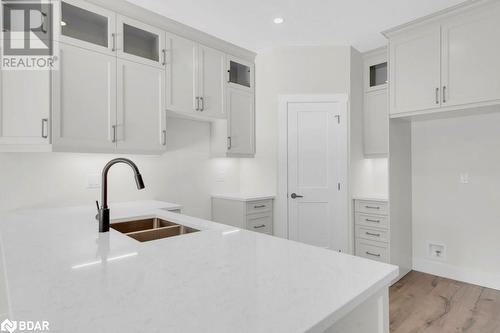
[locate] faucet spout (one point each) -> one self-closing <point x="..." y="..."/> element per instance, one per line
<point x="104" y="209"/>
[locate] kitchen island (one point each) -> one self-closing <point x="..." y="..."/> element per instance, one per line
<point x="58" y="268"/>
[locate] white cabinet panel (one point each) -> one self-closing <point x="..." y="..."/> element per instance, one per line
<point x="211" y="81"/>
<point x="24" y="107"/>
<point x="241" y="122"/>
<point x="471" y="57"/>
<point x="415" y="76"/>
<point x="141" y="117"/>
<point x="181" y="74"/>
<point x="376" y="123"/>
<point x="84" y="101"/>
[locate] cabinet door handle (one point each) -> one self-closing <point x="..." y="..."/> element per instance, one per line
<point x="374" y="221"/>
<point x="164" y="52"/>
<point x="229" y="143"/>
<point x="372" y="207"/>
<point x="260" y="226"/>
<point x="45" y="128"/>
<point x="372" y="234"/>
<point x="444" y="94"/>
<point x="197" y="104"/>
<point x="114" y="134"/>
<point x="113" y="42"/>
<point x="202" y="100"/>
<point x="261" y="206"/>
<point x="437" y="95"/>
<point x="373" y="254"/>
<point x="164" y="137"/>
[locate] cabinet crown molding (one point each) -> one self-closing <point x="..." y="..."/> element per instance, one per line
<point x="437" y="16"/>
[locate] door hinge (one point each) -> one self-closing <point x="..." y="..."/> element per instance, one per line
<point x="338" y="118"/>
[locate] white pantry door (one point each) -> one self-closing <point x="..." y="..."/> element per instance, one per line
<point x="316" y="208"/>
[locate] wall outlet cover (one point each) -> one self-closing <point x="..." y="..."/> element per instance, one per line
<point x="93" y="181"/>
<point x="436" y="251"/>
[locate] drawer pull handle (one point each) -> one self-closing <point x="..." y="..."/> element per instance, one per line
<point x="373" y="254"/>
<point x="374" y="221"/>
<point x="372" y="207"/>
<point x="371" y="234"/>
<point x="260" y="226"/>
<point x="261" y="206"/>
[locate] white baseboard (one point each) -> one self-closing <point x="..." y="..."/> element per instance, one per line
<point x="442" y="269"/>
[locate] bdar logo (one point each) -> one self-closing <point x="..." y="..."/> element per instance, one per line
<point x="8" y="326"/>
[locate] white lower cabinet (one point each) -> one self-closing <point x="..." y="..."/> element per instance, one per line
<point x="24" y="110"/>
<point x="84" y="102"/>
<point x="141" y="116"/>
<point x="372" y="230"/>
<point x="251" y="213"/>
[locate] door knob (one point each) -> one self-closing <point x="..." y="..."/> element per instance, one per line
<point x="295" y="196"/>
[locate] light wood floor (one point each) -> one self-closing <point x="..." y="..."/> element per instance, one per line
<point x="427" y="303"/>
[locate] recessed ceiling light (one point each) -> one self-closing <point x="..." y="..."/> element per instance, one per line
<point x="278" y="20"/>
<point x="63" y="24"/>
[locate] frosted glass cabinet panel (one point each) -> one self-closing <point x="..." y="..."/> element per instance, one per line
<point x="84" y="25"/>
<point x="378" y="74"/>
<point x="239" y="74"/>
<point x="140" y="43"/>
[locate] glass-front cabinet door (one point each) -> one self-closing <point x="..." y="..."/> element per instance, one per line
<point x="140" y="42"/>
<point x="88" y="26"/>
<point x="240" y="73"/>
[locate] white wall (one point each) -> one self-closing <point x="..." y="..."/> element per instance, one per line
<point x="185" y="174"/>
<point x="465" y="217"/>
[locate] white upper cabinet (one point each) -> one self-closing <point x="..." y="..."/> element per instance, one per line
<point x="195" y="79"/>
<point x="448" y="63"/>
<point x="88" y="26"/>
<point x="140" y="42"/>
<point x="24" y="109"/>
<point x="375" y="106"/>
<point x="141" y="116"/>
<point x="84" y="102"/>
<point x="211" y="82"/>
<point x="471" y="57"/>
<point x="181" y="87"/>
<point x="415" y="77"/>
<point x="241" y="123"/>
<point x="376" y="123"/>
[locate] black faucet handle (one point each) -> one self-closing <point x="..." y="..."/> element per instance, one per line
<point x="98" y="209"/>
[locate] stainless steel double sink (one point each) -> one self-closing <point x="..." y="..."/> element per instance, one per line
<point x="151" y="229"/>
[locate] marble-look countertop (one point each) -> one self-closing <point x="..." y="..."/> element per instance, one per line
<point x="58" y="268"/>
<point x="243" y="196"/>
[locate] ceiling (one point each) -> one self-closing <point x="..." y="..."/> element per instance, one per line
<point x="249" y="23"/>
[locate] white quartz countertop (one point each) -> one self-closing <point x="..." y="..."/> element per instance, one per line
<point x="58" y="268"/>
<point x="243" y="196"/>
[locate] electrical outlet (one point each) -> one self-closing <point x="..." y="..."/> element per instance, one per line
<point x="464" y="178"/>
<point x="436" y="251"/>
<point x="93" y="181"/>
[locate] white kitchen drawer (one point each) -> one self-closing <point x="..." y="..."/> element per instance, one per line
<point x="378" y="235"/>
<point x="371" y="207"/>
<point x="259" y="206"/>
<point x="377" y="221"/>
<point x="262" y="223"/>
<point x="372" y="250"/>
